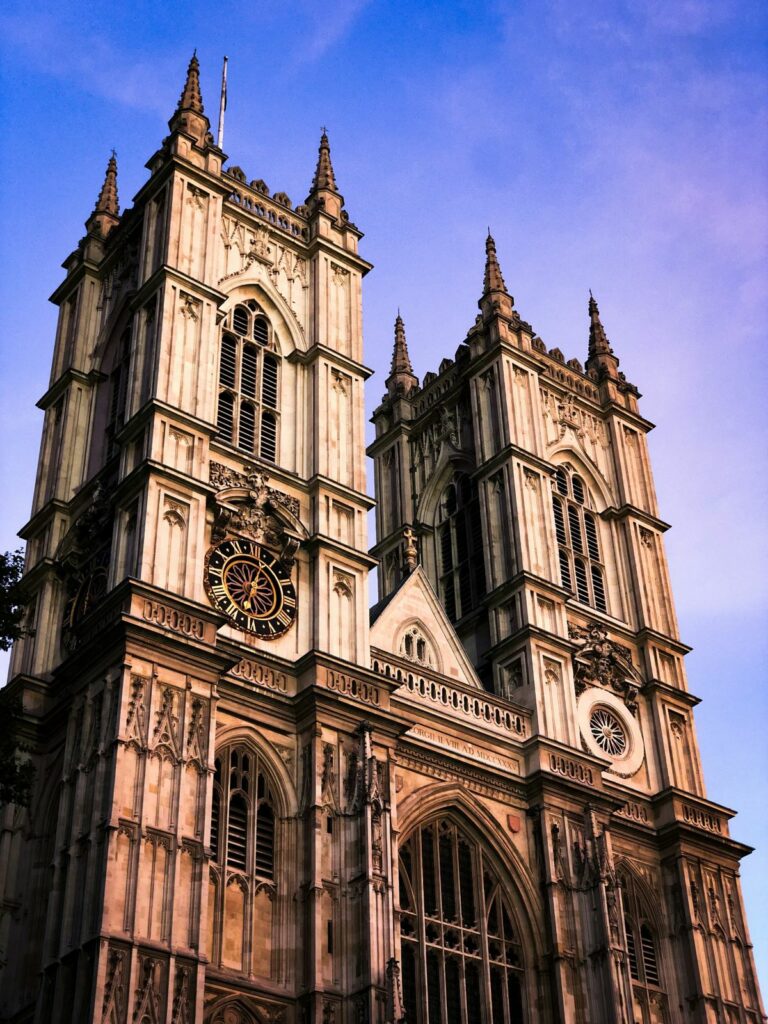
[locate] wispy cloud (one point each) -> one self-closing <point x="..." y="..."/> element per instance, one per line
<point x="50" y="45"/>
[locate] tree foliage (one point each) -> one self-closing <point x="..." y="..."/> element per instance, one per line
<point x="11" y="605"/>
<point x="16" y="775"/>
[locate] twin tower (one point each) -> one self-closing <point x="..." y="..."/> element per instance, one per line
<point x="258" y="801"/>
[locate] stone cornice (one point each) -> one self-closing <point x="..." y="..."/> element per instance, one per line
<point x="626" y="511"/>
<point x="69" y="376"/>
<point x="318" y="351"/>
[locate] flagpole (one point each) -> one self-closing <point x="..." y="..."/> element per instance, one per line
<point x="222" y="104"/>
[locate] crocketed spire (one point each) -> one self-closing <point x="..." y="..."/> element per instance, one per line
<point x="401" y="377"/>
<point x="324" y="176"/>
<point x="107" y="201"/>
<point x="493" y="280"/>
<point x="495" y="298"/>
<point x="189" y="117"/>
<point x="401" y="362"/>
<point x="191" y="98"/>
<point x="600" y="354"/>
<point x="106" y="212"/>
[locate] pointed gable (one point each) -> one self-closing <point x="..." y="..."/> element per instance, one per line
<point x="415" y="604"/>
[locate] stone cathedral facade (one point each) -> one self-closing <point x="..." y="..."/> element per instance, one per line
<point x="259" y="802"/>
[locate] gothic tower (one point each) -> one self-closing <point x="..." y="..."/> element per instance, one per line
<point x="256" y="803"/>
<point x="524" y="483"/>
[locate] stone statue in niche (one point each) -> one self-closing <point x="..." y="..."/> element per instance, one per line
<point x="598" y="661"/>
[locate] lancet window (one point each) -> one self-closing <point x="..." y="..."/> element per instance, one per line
<point x="242" y="815"/>
<point x="642" y="945"/>
<point x="578" y="538"/>
<point x="249" y="382"/>
<point x="460" y="548"/>
<point x="462" y="956"/>
<point x="244" y="868"/>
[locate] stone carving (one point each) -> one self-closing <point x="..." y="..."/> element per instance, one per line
<point x="114" y="1006"/>
<point x="197" y="733"/>
<point x="136" y="719"/>
<point x="183" y="1009"/>
<point x="599" y="661"/>
<point x="149" y="991"/>
<point x="166" y="732"/>
<point x="365" y="775"/>
<point x="253" y="479"/>
<point x="410" y="549"/>
<point x="395" y="1008"/>
<point x="376" y="843"/>
<point x="263" y="513"/>
<point x="175" y="513"/>
<point x="449" y="426"/>
<point x="328" y="777"/>
<point x="189" y="306"/>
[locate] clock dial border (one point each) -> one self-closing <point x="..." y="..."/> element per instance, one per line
<point x="228" y="555"/>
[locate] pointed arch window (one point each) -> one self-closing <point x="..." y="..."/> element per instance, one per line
<point x="249" y="382"/>
<point x="462" y="957"/>
<point x="460" y="556"/>
<point x="641" y="946"/>
<point x="242" y="815"/>
<point x="577" y="532"/>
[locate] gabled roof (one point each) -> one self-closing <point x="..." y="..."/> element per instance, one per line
<point x="415" y="603"/>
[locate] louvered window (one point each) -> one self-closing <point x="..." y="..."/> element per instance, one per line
<point x="642" y="950"/>
<point x="462" y="956"/>
<point x="576" y="532"/>
<point x="634" y="971"/>
<point x="460" y="548"/>
<point x="269" y="382"/>
<point x="249" y="382"/>
<point x="247" y="426"/>
<point x="215" y="820"/>
<point x="237" y="832"/>
<point x="650" y="965"/>
<point x="250" y="365"/>
<point x="268" y="436"/>
<point x="248" y="842"/>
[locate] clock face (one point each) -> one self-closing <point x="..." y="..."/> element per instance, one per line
<point x="251" y="587"/>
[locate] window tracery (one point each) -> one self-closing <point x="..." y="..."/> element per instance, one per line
<point x="460" y="555"/>
<point x="249" y="382"/>
<point x="462" y="958"/>
<point x="243" y="873"/>
<point x="415" y="647"/>
<point x="642" y="948"/>
<point x="577" y="531"/>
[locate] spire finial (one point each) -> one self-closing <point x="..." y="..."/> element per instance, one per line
<point x="493" y="280"/>
<point x="600" y="355"/>
<point x="401" y="378"/>
<point x="107" y="201"/>
<point x="190" y="98"/>
<point x="324" y="177"/>
<point x="401" y="362"/>
<point x="189" y="116"/>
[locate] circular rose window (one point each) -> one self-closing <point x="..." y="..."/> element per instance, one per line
<point x="608" y="732"/>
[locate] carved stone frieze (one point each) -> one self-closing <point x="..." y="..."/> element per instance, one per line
<point x="599" y="661"/>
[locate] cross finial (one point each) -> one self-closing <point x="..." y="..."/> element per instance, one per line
<point x="324" y="130"/>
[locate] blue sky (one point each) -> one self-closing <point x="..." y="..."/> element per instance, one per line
<point x="619" y="146"/>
